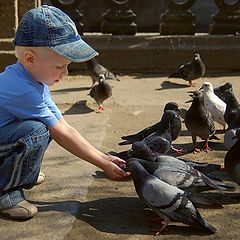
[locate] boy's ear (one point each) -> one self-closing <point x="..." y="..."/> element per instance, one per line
<point x="29" y="58"/>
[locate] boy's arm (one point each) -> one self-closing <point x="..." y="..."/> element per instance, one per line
<point x="70" y="139"/>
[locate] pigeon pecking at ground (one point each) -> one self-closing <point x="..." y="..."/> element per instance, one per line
<point x="94" y="69"/>
<point x="219" y="90"/>
<point x="232" y="160"/>
<point x="101" y="92"/>
<point x="164" y="131"/>
<point x="214" y="104"/>
<point x="139" y="136"/>
<point x="190" y="70"/>
<point x="167" y="201"/>
<point x="198" y="120"/>
<point x="159" y="142"/>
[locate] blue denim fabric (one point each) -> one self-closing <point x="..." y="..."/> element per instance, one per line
<point x="50" y="27"/>
<point x="22" y="146"/>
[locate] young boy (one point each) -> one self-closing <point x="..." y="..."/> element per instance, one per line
<point x="46" y="41"/>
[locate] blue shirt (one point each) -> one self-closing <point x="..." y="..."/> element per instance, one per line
<point x="22" y="98"/>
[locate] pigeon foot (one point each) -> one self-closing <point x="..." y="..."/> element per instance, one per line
<point x="160" y="229"/>
<point x="178" y="151"/>
<point x="206" y="148"/>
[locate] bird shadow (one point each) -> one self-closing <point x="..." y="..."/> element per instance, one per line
<point x="171" y="85"/>
<point x="116" y="215"/>
<point x="66" y="90"/>
<point x="224" y="199"/>
<point x="79" y="107"/>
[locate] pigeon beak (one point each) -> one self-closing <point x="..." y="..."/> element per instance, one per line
<point x="201" y="88"/>
<point x="190" y="92"/>
<point x="189" y="101"/>
<point x="234" y="137"/>
<point x="179" y="110"/>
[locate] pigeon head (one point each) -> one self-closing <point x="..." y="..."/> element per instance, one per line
<point x="197" y="56"/>
<point x="226" y="86"/>
<point x="137" y="170"/>
<point x="171" y="106"/>
<point x="141" y="150"/>
<point x="197" y="94"/>
<point x="207" y="86"/>
<point x="101" y="78"/>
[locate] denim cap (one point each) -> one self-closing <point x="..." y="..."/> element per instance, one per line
<point x="50" y="27"/>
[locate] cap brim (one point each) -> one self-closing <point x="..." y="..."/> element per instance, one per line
<point x="78" y="51"/>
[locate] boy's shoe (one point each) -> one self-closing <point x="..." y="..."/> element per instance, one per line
<point x="41" y="178"/>
<point x="22" y="211"/>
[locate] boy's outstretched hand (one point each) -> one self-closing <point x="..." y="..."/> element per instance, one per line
<point x="114" y="168"/>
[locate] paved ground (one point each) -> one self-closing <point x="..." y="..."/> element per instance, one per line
<point x="77" y="202"/>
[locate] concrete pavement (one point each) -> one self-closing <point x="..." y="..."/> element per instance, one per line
<point x="77" y="202"/>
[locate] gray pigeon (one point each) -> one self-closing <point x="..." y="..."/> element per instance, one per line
<point x="190" y="70"/>
<point x="94" y="69"/>
<point x="164" y="132"/>
<point x="198" y="120"/>
<point x="180" y="174"/>
<point x="101" y="92"/>
<point x="159" y="142"/>
<point x="214" y="104"/>
<point x="219" y="90"/>
<point x="175" y="129"/>
<point x="232" y="160"/>
<point x="167" y="201"/>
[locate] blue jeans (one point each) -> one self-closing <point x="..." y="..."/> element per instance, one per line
<point x="22" y="146"/>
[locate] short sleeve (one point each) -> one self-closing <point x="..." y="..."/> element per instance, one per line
<point x="51" y="105"/>
<point x="32" y="106"/>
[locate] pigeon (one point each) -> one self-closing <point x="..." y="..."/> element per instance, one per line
<point x="180" y="174"/>
<point x="159" y="142"/>
<point x="190" y="70"/>
<point x="219" y="90"/>
<point x="229" y="139"/>
<point x="167" y="201"/>
<point x="175" y="127"/>
<point x="94" y="69"/>
<point x="198" y="121"/>
<point x="164" y="132"/>
<point x="101" y="92"/>
<point x="232" y="160"/>
<point x="213" y="104"/>
<point x="231" y="106"/>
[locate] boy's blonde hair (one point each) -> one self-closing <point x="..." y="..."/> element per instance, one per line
<point x="20" y="50"/>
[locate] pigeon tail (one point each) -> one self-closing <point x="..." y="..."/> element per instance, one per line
<point x="204" y="224"/>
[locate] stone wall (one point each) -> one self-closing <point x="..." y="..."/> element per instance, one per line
<point x="11" y="12"/>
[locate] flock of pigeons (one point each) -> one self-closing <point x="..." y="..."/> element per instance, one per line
<point x="167" y="184"/>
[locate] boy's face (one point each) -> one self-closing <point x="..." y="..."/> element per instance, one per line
<point x="49" y="67"/>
